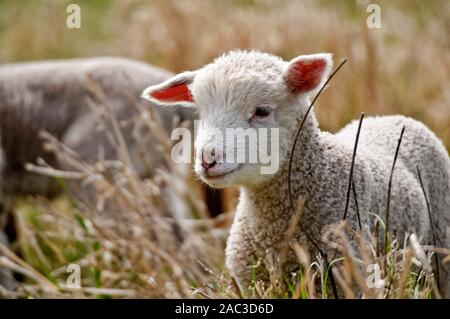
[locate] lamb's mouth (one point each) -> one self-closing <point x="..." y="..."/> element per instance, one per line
<point x="217" y="177"/>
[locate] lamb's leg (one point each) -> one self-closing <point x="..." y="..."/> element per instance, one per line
<point x="442" y="229"/>
<point x="240" y="256"/>
<point x="444" y="240"/>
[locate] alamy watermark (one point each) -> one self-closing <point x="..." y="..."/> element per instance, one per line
<point x="373" y="20"/>
<point x="73" y="20"/>
<point x="73" y="281"/>
<point x="374" y="279"/>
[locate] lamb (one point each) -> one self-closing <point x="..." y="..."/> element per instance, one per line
<point x="250" y="89"/>
<point x="55" y="96"/>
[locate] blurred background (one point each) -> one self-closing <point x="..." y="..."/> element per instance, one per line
<point x="402" y="67"/>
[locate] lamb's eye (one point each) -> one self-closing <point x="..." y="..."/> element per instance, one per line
<point x="262" y="111"/>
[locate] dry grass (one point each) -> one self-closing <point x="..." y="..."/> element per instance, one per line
<point x="404" y="67"/>
<point x="139" y="256"/>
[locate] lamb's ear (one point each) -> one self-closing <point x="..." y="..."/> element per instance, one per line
<point x="307" y="73"/>
<point x="174" y="91"/>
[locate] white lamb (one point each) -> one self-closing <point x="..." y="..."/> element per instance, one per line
<point x="252" y="89"/>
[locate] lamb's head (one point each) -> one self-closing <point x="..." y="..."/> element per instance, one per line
<point x="249" y="104"/>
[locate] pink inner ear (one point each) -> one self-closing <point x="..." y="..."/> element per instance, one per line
<point x="176" y="93"/>
<point x="304" y="76"/>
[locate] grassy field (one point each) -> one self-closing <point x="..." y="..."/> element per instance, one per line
<point x="403" y="67"/>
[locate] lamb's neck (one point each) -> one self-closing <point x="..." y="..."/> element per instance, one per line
<point x="274" y="193"/>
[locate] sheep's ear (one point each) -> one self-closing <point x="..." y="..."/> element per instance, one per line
<point x="174" y="91"/>
<point x="307" y="73"/>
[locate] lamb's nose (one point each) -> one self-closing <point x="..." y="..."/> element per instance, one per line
<point x="207" y="165"/>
